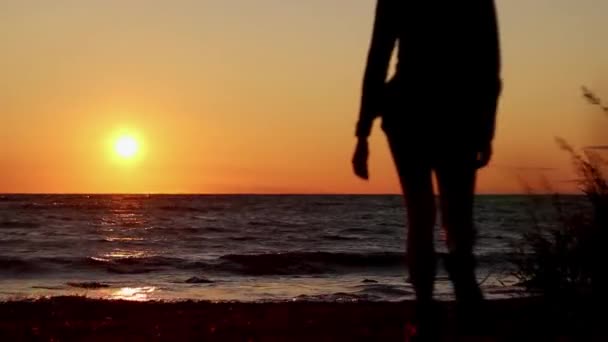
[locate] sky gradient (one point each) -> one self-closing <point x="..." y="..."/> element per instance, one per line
<point x="240" y="96"/>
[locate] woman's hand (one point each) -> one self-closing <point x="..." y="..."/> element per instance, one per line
<point x="360" y="159"/>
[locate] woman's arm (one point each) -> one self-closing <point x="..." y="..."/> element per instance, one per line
<point x="491" y="45"/>
<point x="381" y="48"/>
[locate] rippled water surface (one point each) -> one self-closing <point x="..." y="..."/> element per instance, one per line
<point x="247" y="248"/>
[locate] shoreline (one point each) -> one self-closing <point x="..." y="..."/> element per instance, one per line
<point x="81" y="318"/>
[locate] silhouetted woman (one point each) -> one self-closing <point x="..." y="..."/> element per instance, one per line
<point x="438" y="112"/>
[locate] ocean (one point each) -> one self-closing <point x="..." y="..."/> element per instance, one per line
<point x="236" y="247"/>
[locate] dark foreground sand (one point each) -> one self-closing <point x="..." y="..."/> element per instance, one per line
<point x="81" y="319"/>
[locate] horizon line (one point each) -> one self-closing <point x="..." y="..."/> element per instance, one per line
<point x="258" y="194"/>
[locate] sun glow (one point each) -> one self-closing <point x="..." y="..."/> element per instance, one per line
<point x="126" y="146"/>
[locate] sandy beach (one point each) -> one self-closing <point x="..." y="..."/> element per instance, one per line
<point x="82" y="319"/>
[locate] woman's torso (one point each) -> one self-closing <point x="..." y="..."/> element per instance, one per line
<point x="443" y="43"/>
<point x="447" y="68"/>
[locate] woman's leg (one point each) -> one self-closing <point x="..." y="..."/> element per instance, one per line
<point x="456" y="180"/>
<point x="415" y="175"/>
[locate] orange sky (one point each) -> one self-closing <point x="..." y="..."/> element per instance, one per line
<point x="230" y="96"/>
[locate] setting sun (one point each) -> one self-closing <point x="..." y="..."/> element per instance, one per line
<point x="126" y="147"/>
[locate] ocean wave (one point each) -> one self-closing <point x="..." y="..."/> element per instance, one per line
<point x="66" y="206"/>
<point x="266" y="264"/>
<point x="14" y="264"/>
<point x="18" y="224"/>
<point x="12" y="241"/>
<point x="329" y="204"/>
<point x="273" y="223"/>
<point x="340" y="237"/>
<point x="339" y="297"/>
<point x="243" y="238"/>
<point x="386" y="290"/>
<point x="291" y="263"/>
<point x="190" y="209"/>
<point x="309" y="262"/>
<point x="302" y="263"/>
<point x="197" y="280"/>
<point x="365" y="229"/>
<point x="179" y="208"/>
<point x="133" y="265"/>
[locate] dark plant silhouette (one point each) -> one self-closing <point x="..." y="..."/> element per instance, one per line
<point x="594" y="100"/>
<point x="565" y="262"/>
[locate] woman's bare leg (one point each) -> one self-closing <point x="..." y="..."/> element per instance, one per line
<point x="456" y="180"/>
<point x="417" y="185"/>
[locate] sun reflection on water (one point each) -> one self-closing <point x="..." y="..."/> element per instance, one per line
<point x="123" y="239"/>
<point x="123" y="229"/>
<point x="124" y="254"/>
<point x="138" y="294"/>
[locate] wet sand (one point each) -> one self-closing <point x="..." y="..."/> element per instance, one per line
<point x="81" y="319"/>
